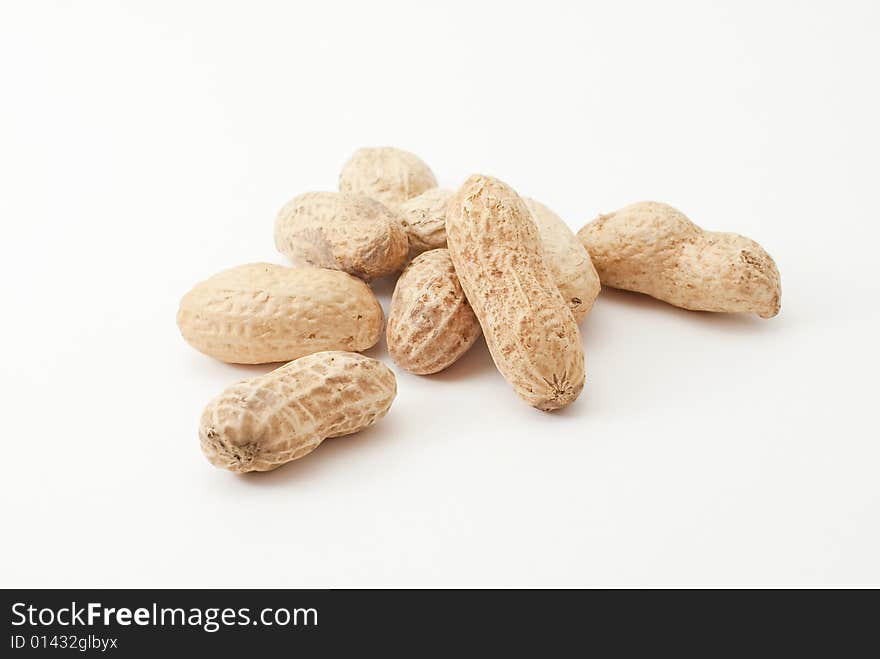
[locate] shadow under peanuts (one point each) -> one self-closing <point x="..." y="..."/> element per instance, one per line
<point x="475" y="361"/>
<point x="378" y="351"/>
<point x="225" y="371"/>
<point x="329" y="455"/>
<point x="243" y="371"/>
<point x="478" y="361"/>
<point x="384" y="286"/>
<point x="726" y="322"/>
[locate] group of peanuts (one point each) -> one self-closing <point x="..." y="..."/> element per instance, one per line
<point x="485" y="261"/>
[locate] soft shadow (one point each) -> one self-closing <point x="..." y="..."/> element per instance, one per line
<point x="738" y="322"/>
<point x="474" y="361"/>
<point x="384" y="287"/>
<point x="328" y="454"/>
<point x="198" y="362"/>
<point x="253" y="370"/>
<point x="378" y="351"/>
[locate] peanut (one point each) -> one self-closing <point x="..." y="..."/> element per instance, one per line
<point x="352" y="233"/>
<point x="652" y="248"/>
<point x="424" y="219"/>
<point x="569" y="263"/>
<point x="530" y="331"/>
<point x="386" y="174"/>
<point x="263" y="422"/>
<point x="261" y="313"/>
<point x="430" y="323"/>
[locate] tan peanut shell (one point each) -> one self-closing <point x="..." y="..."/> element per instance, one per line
<point x="430" y="323"/>
<point x="261" y="313"/>
<point x="569" y="263"/>
<point x="424" y="219"/>
<point x="653" y="248"/>
<point x="352" y="233"/>
<point x="386" y="174"/>
<point x="530" y="331"/>
<point x="263" y="422"/>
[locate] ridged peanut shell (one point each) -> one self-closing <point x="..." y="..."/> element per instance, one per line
<point x="652" y="248"/>
<point x="430" y="323"/>
<point x="261" y="313"/>
<point x="424" y="219"/>
<point x="352" y="233"/>
<point x="569" y="263"/>
<point x="530" y="331"/>
<point x="263" y="422"/>
<point x="386" y="174"/>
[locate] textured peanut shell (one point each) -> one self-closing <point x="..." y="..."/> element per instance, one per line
<point x="352" y="233"/>
<point x="424" y="219"/>
<point x="261" y="313"/>
<point x="530" y="331"/>
<point x="387" y="174"/>
<point x="653" y="248"/>
<point x="430" y="323"/>
<point x="261" y="423"/>
<point x="569" y="263"/>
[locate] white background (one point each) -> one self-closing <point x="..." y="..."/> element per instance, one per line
<point x="145" y="146"/>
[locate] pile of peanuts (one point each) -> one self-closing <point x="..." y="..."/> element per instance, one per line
<point x="477" y="260"/>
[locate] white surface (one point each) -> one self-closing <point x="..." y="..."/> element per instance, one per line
<point x="147" y="145"/>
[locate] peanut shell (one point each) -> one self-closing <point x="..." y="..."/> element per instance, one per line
<point x="352" y="233"/>
<point x="498" y="256"/>
<point x="430" y="323"/>
<point x="386" y="174"/>
<point x="652" y="248"/>
<point x="261" y="423"/>
<point x="260" y="313"/>
<point x="569" y="263"/>
<point x="424" y="219"/>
